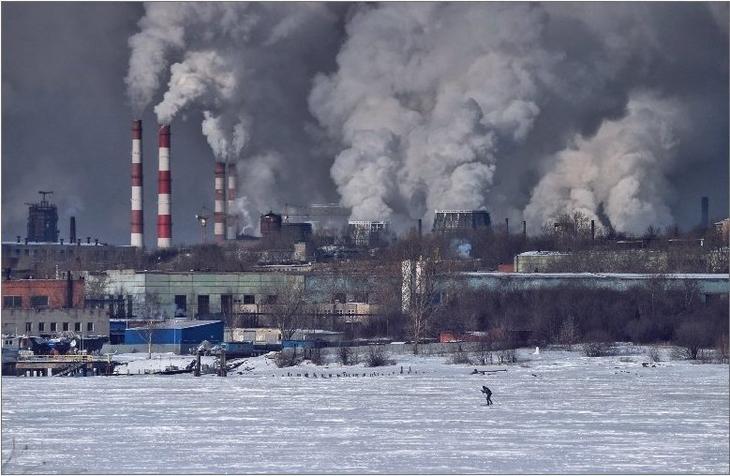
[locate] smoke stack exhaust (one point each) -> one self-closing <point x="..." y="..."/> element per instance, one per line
<point x="164" y="190"/>
<point x="232" y="227"/>
<point x="705" y="213"/>
<point x="72" y="230"/>
<point x="137" y="222"/>
<point x="219" y="214"/>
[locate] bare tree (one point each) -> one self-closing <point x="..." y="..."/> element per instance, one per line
<point x="286" y="306"/>
<point x="421" y="295"/>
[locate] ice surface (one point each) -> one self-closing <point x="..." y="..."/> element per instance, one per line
<point x="559" y="412"/>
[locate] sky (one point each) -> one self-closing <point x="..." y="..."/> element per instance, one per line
<point x="618" y="111"/>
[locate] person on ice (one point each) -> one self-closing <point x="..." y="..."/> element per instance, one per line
<point x="487" y="393"/>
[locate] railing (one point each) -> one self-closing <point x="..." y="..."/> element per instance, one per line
<point x="60" y="358"/>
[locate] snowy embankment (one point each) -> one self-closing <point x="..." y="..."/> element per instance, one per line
<point x="556" y="412"/>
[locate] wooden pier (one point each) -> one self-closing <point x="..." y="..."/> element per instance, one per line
<point x="64" y="365"/>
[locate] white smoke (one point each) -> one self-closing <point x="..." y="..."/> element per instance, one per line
<point x="518" y="108"/>
<point x="624" y="167"/>
<point x="214" y="54"/>
<point x="423" y="99"/>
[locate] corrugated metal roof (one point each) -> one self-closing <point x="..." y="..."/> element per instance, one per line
<point x="178" y="324"/>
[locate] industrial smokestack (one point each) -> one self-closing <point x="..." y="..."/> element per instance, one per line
<point x="137" y="222"/>
<point x="219" y="214"/>
<point x="524" y="229"/>
<point x="230" y="218"/>
<point x="164" y="190"/>
<point x="705" y="213"/>
<point x="72" y="230"/>
<point x="593" y="230"/>
<point x="420" y="228"/>
<point x="506" y="225"/>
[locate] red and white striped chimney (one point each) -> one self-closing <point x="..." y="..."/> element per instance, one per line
<point x="164" y="190"/>
<point x="137" y="236"/>
<point x="231" y="218"/>
<point x="219" y="213"/>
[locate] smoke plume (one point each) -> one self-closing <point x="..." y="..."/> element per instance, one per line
<point x="527" y="110"/>
<point x="234" y="64"/>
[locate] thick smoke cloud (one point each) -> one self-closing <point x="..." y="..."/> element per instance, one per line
<point x="448" y="105"/>
<point x="529" y="110"/>
<point x="234" y="64"/>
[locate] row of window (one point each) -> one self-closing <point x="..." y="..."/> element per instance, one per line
<point x="54" y="327"/>
<point x="16" y="302"/>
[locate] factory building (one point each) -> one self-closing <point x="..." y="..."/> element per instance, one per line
<point x="42" y="220"/>
<point x="25" y="259"/>
<point x="192" y="295"/>
<point x="274" y="228"/>
<point x="178" y="336"/>
<point x="48" y="307"/>
<point x="368" y="233"/>
<point x="449" y="221"/>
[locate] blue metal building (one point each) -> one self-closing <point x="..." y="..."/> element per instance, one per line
<point x="177" y="335"/>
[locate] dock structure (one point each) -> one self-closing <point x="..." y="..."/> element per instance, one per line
<point x="64" y="365"/>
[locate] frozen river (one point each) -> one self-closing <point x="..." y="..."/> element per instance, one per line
<point x="559" y="412"/>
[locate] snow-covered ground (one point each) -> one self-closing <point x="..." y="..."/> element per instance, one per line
<point x="558" y="412"/>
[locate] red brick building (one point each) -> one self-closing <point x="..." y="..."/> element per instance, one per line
<point x="43" y="294"/>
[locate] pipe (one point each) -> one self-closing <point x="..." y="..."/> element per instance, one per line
<point x="231" y="227"/>
<point x="219" y="213"/>
<point x="72" y="230"/>
<point x="164" y="190"/>
<point x="137" y="222"/>
<point x="69" y="291"/>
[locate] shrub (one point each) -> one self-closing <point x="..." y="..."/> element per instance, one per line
<point x="653" y="354"/>
<point x="507" y="356"/>
<point x="460" y="357"/>
<point x="377" y="357"/>
<point x="692" y="336"/>
<point x="287" y="358"/>
<point x="596" y="349"/>
<point x="344" y="354"/>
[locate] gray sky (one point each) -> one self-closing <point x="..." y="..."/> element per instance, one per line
<point x="66" y="119"/>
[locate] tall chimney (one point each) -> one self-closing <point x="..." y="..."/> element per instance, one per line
<point x="506" y="225"/>
<point x="219" y="213"/>
<point x="72" y="230"/>
<point x="232" y="228"/>
<point x="420" y="228"/>
<point x="164" y="190"/>
<point x="593" y="230"/>
<point x="137" y="222"/>
<point x="705" y="213"/>
<point x="524" y="229"/>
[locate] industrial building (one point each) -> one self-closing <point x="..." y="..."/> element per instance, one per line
<point x="193" y="294"/>
<point x="48" y="307"/>
<point x="368" y="233"/>
<point x="178" y="336"/>
<point x="449" y="221"/>
<point x="42" y="220"/>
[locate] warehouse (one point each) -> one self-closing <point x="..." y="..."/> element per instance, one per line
<point x="178" y="336"/>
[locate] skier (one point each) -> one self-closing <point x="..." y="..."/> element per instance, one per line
<point x="487" y="393"/>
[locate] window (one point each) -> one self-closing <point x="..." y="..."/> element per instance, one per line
<point x="28" y="327"/>
<point x="203" y="304"/>
<point x="89" y="327"/>
<point x="77" y="326"/>
<point x="226" y="304"/>
<point x="39" y="301"/>
<point x="64" y="327"/>
<point x="41" y="327"/>
<point x="54" y="327"/>
<point x="26" y="252"/>
<point x="249" y="299"/>
<point x="181" y="305"/>
<point x="12" y="302"/>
